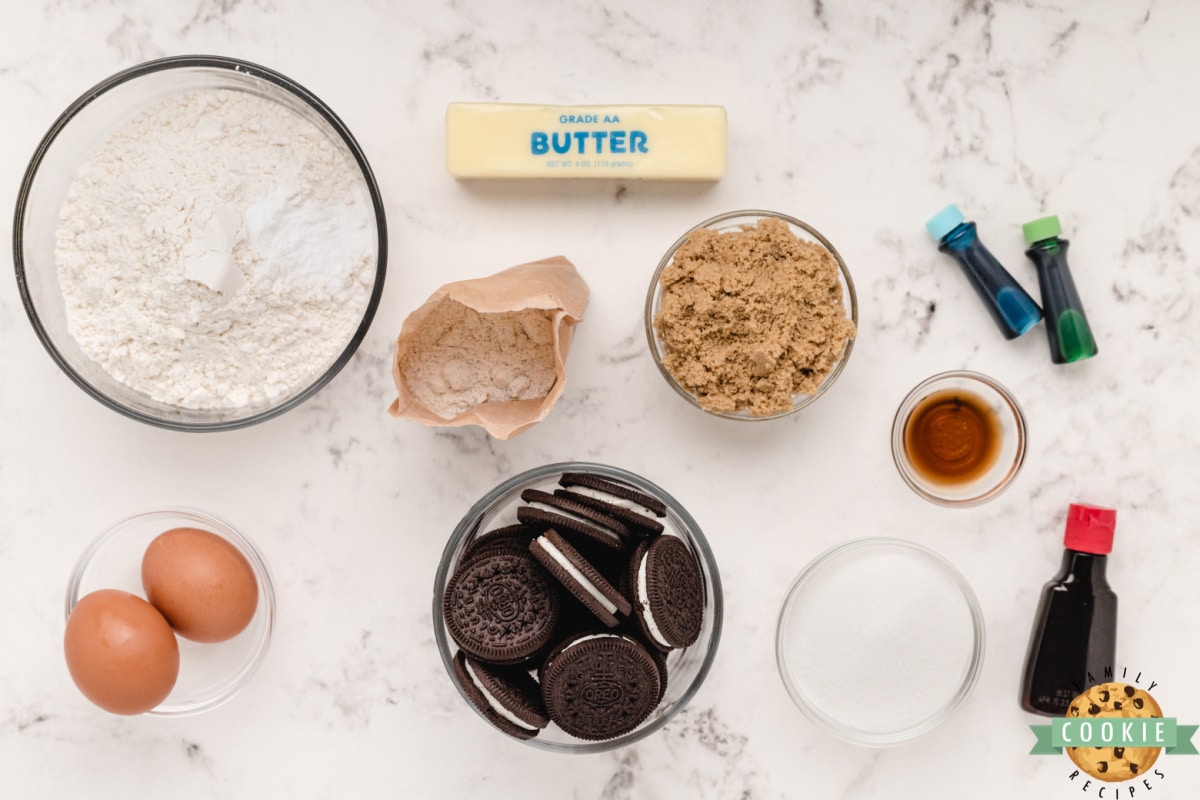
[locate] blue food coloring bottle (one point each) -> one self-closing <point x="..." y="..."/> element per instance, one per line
<point x="1010" y="306"/>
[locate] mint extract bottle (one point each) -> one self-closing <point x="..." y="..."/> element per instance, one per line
<point x="1074" y="639"/>
<point x="1066" y="325"/>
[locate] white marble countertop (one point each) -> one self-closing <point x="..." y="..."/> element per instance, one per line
<point x="861" y="118"/>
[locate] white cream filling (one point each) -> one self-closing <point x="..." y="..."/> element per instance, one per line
<point x="612" y="499"/>
<point x="587" y="638"/>
<point x="575" y="574"/>
<point x="577" y="517"/>
<point x="493" y="702"/>
<point x="643" y="597"/>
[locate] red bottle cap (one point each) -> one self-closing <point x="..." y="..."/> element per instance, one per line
<point x="1090" y="529"/>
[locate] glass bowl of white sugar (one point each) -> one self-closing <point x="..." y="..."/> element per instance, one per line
<point x="200" y="243"/>
<point x="879" y="641"/>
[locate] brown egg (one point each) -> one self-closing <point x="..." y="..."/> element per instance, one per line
<point x="201" y="583"/>
<point x="121" y="652"/>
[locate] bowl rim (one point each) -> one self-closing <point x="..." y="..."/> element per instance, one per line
<point x="703" y="552"/>
<point x="216" y="63"/>
<point x="970" y="679"/>
<point x="900" y="420"/>
<point x="726" y="219"/>
<point x="222" y="528"/>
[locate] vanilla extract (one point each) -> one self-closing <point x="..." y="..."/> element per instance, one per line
<point x="952" y="438"/>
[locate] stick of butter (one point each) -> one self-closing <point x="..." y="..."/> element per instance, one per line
<point x="670" y="142"/>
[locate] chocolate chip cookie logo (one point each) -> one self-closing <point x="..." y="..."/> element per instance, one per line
<point x="502" y="602"/>
<point x="1114" y="733"/>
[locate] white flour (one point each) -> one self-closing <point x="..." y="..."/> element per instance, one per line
<point x="216" y="252"/>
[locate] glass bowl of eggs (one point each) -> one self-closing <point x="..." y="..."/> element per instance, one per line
<point x="188" y="599"/>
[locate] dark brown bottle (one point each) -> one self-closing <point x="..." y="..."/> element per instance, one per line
<point x="1074" y="639"/>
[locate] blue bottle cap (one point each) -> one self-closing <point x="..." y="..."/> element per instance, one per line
<point x="944" y="221"/>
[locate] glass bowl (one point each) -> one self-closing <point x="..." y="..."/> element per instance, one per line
<point x="209" y="674"/>
<point x="879" y="641"/>
<point x="727" y="223"/>
<point x="87" y="123"/>
<point x="940" y="470"/>
<point x="686" y="667"/>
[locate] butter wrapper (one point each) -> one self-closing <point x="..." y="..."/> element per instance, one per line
<point x="612" y="142"/>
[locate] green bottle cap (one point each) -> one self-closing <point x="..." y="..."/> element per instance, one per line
<point x="1039" y="229"/>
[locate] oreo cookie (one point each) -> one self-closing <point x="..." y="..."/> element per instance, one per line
<point x="501" y="607"/>
<point x="510" y="699"/>
<point x="601" y="685"/>
<point x="574" y="519"/>
<point x="510" y="536"/>
<point x="579" y="577"/>
<point x="660" y="661"/>
<point x="636" y="509"/>
<point x="631" y="629"/>
<point x="667" y="590"/>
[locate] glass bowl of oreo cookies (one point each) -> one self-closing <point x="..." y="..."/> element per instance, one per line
<point x="577" y="607"/>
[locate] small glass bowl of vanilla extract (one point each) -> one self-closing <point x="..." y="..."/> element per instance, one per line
<point x="958" y="438"/>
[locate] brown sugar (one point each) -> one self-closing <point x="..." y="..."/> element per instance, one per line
<point x="750" y="318"/>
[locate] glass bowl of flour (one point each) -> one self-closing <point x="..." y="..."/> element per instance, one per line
<point x="200" y="243"/>
<point x="879" y="641"/>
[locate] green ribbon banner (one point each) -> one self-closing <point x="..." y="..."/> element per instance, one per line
<point x="1113" y="732"/>
<point x="1184" y="746"/>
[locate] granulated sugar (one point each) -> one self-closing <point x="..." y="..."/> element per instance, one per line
<point x="879" y="639"/>
<point x="216" y="252"/>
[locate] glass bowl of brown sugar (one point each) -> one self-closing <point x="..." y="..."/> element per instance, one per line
<point x="751" y="315"/>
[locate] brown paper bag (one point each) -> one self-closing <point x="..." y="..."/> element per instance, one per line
<point x="551" y="284"/>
